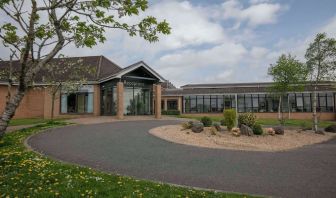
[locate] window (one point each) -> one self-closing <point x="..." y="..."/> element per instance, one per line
<point x="206" y="104"/>
<point x="200" y="105"/>
<point x="77" y="103"/>
<point x="186" y="102"/>
<point x="325" y="102"/>
<point x="248" y="103"/>
<point x="213" y="103"/>
<point x="241" y="104"/>
<point x="193" y="104"/>
<point x="255" y="103"/>
<point x="307" y="102"/>
<point x="262" y="103"/>
<point x="171" y="104"/>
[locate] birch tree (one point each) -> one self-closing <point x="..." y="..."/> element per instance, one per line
<point x="321" y="63"/>
<point x="289" y="75"/>
<point x="39" y="30"/>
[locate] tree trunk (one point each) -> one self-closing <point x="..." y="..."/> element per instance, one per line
<point x="10" y="111"/>
<point x="52" y="106"/>
<point x="279" y="110"/>
<point x="314" y="110"/>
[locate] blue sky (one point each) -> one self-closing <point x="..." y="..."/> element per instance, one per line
<point x="220" y="41"/>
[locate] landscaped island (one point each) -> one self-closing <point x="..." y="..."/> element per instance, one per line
<point x="226" y="140"/>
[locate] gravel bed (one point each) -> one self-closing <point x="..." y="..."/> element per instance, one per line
<point x="225" y="140"/>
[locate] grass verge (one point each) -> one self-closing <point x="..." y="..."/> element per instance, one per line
<point x="30" y="121"/>
<point x="270" y="122"/>
<point x="24" y="173"/>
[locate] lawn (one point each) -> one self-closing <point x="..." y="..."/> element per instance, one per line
<point x="24" y="173"/>
<point x="270" y="122"/>
<point x="29" y="121"/>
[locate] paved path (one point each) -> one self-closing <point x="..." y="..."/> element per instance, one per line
<point x="127" y="148"/>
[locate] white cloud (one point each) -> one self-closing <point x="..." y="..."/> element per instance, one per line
<point x="256" y="14"/>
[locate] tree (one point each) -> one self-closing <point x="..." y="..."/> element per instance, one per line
<point x="288" y="75"/>
<point x="321" y="63"/>
<point x="39" y="30"/>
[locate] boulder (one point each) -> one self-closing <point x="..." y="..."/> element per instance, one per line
<point x="279" y="130"/>
<point x="331" y="128"/>
<point x="197" y="127"/>
<point x="245" y="130"/>
<point x="320" y="131"/>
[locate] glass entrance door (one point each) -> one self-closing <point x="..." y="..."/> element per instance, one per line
<point x="137" y="101"/>
<point x="107" y="103"/>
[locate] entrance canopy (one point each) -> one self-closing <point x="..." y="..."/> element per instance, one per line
<point x="136" y="71"/>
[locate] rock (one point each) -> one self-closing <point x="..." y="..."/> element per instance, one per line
<point x="331" y="128"/>
<point x="279" y="130"/>
<point x="270" y="131"/>
<point x="245" y="130"/>
<point x="197" y="127"/>
<point x="320" y="131"/>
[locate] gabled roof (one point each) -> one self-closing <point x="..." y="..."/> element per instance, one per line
<point x="131" y="68"/>
<point x="100" y="66"/>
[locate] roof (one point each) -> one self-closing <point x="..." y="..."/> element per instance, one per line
<point x="99" y="69"/>
<point x="131" y="68"/>
<point x="233" y="88"/>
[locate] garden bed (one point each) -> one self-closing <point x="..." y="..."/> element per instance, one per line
<point x="225" y="140"/>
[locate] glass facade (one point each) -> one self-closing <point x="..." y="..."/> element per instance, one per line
<point x="208" y="103"/>
<point x="77" y="103"/>
<point x="293" y="102"/>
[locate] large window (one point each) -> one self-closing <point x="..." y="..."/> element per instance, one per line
<point x="77" y="103"/>
<point x="295" y="102"/>
<point x="171" y="104"/>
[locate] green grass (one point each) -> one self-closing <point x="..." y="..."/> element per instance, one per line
<point x="271" y="122"/>
<point x="29" y="121"/>
<point x="24" y="173"/>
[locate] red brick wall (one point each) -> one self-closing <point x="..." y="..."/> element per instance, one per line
<point x="32" y="105"/>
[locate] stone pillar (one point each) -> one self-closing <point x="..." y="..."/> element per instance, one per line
<point x="165" y="107"/>
<point x="179" y="104"/>
<point x="96" y="100"/>
<point x="157" y="101"/>
<point x="120" y="100"/>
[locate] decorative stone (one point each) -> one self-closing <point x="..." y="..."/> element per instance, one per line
<point x="270" y="131"/>
<point x="320" y="131"/>
<point x="197" y="127"/>
<point x="245" y="130"/>
<point x="279" y="130"/>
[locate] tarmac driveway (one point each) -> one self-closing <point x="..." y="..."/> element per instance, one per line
<point x="127" y="148"/>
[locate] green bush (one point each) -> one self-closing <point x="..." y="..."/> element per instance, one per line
<point x="257" y="129"/>
<point x="171" y="112"/>
<point x="248" y="119"/>
<point x="230" y="118"/>
<point x="206" y="121"/>
<point x="222" y="122"/>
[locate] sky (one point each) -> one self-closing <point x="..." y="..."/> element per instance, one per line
<point x="220" y="41"/>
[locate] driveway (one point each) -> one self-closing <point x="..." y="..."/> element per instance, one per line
<point x="127" y="148"/>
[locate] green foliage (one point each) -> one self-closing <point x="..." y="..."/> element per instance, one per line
<point x="257" y="129"/>
<point x="25" y="173"/>
<point x="248" y="119"/>
<point x="321" y="56"/>
<point x="222" y="122"/>
<point x="171" y="112"/>
<point x="206" y="121"/>
<point x="230" y="118"/>
<point x="288" y="74"/>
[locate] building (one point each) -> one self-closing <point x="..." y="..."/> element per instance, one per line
<point x="212" y="99"/>
<point x="134" y="90"/>
<point x="110" y="90"/>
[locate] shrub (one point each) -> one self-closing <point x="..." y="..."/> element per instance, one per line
<point x="331" y="128"/>
<point x="257" y="129"/>
<point x="171" y="112"/>
<point x="230" y="118"/>
<point x="248" y="119"/>
<point x="222" y="122"/>
<point x="197" y="127"/>
<point x="206" y="121"/>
